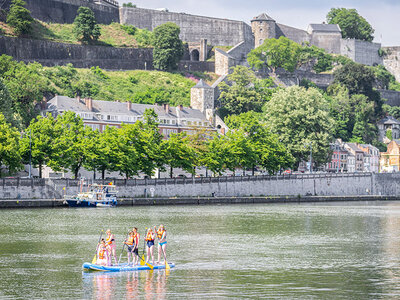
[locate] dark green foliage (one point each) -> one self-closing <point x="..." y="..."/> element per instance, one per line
<point x="144" y="38"/>
<point x="307" y="83"/>
<point x="86" y="28"/>
<point x="19" y="17"/>
<point x="6" y="103"/>
<point x="353" y="25"/>
<point x="323" y="60"/>
<point x="246" y="92"/>
<point x="168" y="48"/>
<point x="129" y="29"/>
<point x="99" y="72"/>
<point x="9" y="147"/>
<point x="393" y="111"/>
<point x="129" y="4"/>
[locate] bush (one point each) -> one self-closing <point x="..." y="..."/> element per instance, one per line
<point x="86" y="28"/>
<point x="129" y="29"/>
<point x="19" y="17"/>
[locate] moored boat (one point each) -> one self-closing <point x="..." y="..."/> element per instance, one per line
<point x="87" y="267"/>
<point x="97" y="196"/>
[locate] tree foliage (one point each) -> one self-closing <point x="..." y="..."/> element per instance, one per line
<point x="86" y="28"/>
<point x="353" y="25"/>
<point x="19" y="17"/>
<point x="9" y="147"/>
<point x="275" y="53"/>
<point x="245" y="93"/>
<point x="168" y="48"/>
<point x="6" y="103"/>
<point x="300" y="117"/>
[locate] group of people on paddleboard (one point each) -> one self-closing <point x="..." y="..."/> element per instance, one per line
<point x="106" y="249"/>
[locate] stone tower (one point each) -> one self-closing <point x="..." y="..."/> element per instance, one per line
<point x="263" y="27"/>
<point x="202" y="96"/>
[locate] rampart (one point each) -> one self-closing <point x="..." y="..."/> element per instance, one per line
<point x="362" y="52"/>
<point x="50" y="53"/>
<point x="218" y="32"/>
<point x="65" y="11"/>
<point x="356" y="184"/>
<point x="391" y="60"/>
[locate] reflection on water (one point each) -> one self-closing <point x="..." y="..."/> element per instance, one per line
<point x="338" y="250"/>
<point x="149" y="284"/>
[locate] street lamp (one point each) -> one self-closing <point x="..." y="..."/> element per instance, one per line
<point x="30" y="153"/>
<point x="310" y="155"/>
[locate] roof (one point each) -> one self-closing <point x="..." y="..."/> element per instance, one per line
<point x="63" y="103"/>
<point x="389" y="120"/>
<point x="202" y="84"/>
<point x="324" y="28"/>
<point x="263" y="17"/>
<point x="354" y="147"/>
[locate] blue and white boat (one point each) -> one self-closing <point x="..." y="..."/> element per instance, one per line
<point x="97" y="195"/>
<point x="87" y="267"/>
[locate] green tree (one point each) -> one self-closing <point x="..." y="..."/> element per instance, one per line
<point x="19" y="17"/>
<point x="178" y="153"/>
<point x="9" y="147"/>
<point x="275" y="53"/>
<point x="218" y="155"/>
<point x="86" y="28"/>
<point x="6" y="103"/>
<point x="270" y="154"/>
<point x="129" y="4"/>
<point x="245" y="93"/>
<point x="168" y="48"/>
<point x="393" y="111"/>
<point x="353" y="25"/>
<point x="358" y="79"/>
<point x="70" y="149"/>
<point x="40" y="134"/>
<point x="300" y="117"/>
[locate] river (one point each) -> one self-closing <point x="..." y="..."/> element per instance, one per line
<point x="304" y="251"/>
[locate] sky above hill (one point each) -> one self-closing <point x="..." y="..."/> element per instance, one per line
<point x="383" y="15"/>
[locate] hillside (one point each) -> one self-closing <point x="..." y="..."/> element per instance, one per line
<point x="114" y="35"/>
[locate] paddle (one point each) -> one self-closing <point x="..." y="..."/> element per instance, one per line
<point x="144" y="247"/>
<point x="94" y="260"/>
<point x="123" y="247"/>
<point x="167" y="267"/>
<point x="146" y="263"/>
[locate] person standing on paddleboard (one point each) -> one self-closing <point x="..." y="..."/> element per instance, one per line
<point x="110" y="242"/>
<point x="162" y="242"/>
<point x="129" y="242"/>
<point x="102" y="254"/>
<point x="135" y="246"/>
<point x="150" y="236"/>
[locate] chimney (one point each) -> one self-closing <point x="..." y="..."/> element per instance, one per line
<point x="181" y="107"/>
<point x="129" y="105"/>
<point x="43" y="104"/>
<point x="166" y="107"/>
<point x="78" y="98"/>
<point x="89" y="103"/>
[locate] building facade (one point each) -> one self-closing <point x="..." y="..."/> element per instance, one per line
<point x="390" y="160"/>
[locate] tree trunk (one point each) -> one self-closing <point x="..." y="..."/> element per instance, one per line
<point x="103" y="173"/>
<point x="170" y="172"/>
<point x="40" y="170"/>
<point x="252" y="171"/>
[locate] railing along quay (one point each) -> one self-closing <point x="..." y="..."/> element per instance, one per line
<point x="15" y="182"/>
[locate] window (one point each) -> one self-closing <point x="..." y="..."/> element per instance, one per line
<point x="173" y="122"/>
<point x="189" y="123"/>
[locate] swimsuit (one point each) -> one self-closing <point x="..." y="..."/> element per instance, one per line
<point x="163" y="243"/>
<point x="150" y="243"/>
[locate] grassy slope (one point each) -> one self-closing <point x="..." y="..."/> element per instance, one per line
<point x="136" y="86"/>
<point x="111" y="35"/>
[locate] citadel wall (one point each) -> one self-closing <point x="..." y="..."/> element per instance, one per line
<point x="391" y="60"/>
<point x="362" y="52"/>
<point x="64" y="11"/>
<point x="218" y="32"/>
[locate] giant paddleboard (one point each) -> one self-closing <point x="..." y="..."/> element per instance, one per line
<point x="121" y="268"/>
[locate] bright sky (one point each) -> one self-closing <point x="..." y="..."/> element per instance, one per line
<point x="383" y="15"/>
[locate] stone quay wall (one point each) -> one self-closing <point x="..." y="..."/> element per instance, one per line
<point x="339" y="185"/>
<point x="65" y="11"/>
<point x="218" y="32"/>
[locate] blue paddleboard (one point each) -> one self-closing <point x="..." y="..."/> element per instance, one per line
<point x="121" y="268"/>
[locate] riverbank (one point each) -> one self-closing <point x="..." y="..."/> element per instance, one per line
<point x="59" y="203"/>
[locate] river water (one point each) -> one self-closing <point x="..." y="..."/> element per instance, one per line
<point x="301" y="251"/>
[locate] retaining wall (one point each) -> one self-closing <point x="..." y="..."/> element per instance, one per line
<point x="65" y="11"/>
<point x="356" y="184"/>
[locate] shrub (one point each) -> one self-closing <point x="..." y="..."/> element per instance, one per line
<point x="19" y="17"/>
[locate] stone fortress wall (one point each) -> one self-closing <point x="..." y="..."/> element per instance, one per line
<point x="64" y="11"/>
<point x="218" y="32"/>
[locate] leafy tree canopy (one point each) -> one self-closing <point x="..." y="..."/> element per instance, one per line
<point x="245" y="93"/>
<point x="300" y="117"/>
<point x="19" y="17"/>
<point x="86" y="28"/>
<point x="168" y="48"/>
<point x="353" y="25"/>
<point x="9" y="147"/>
